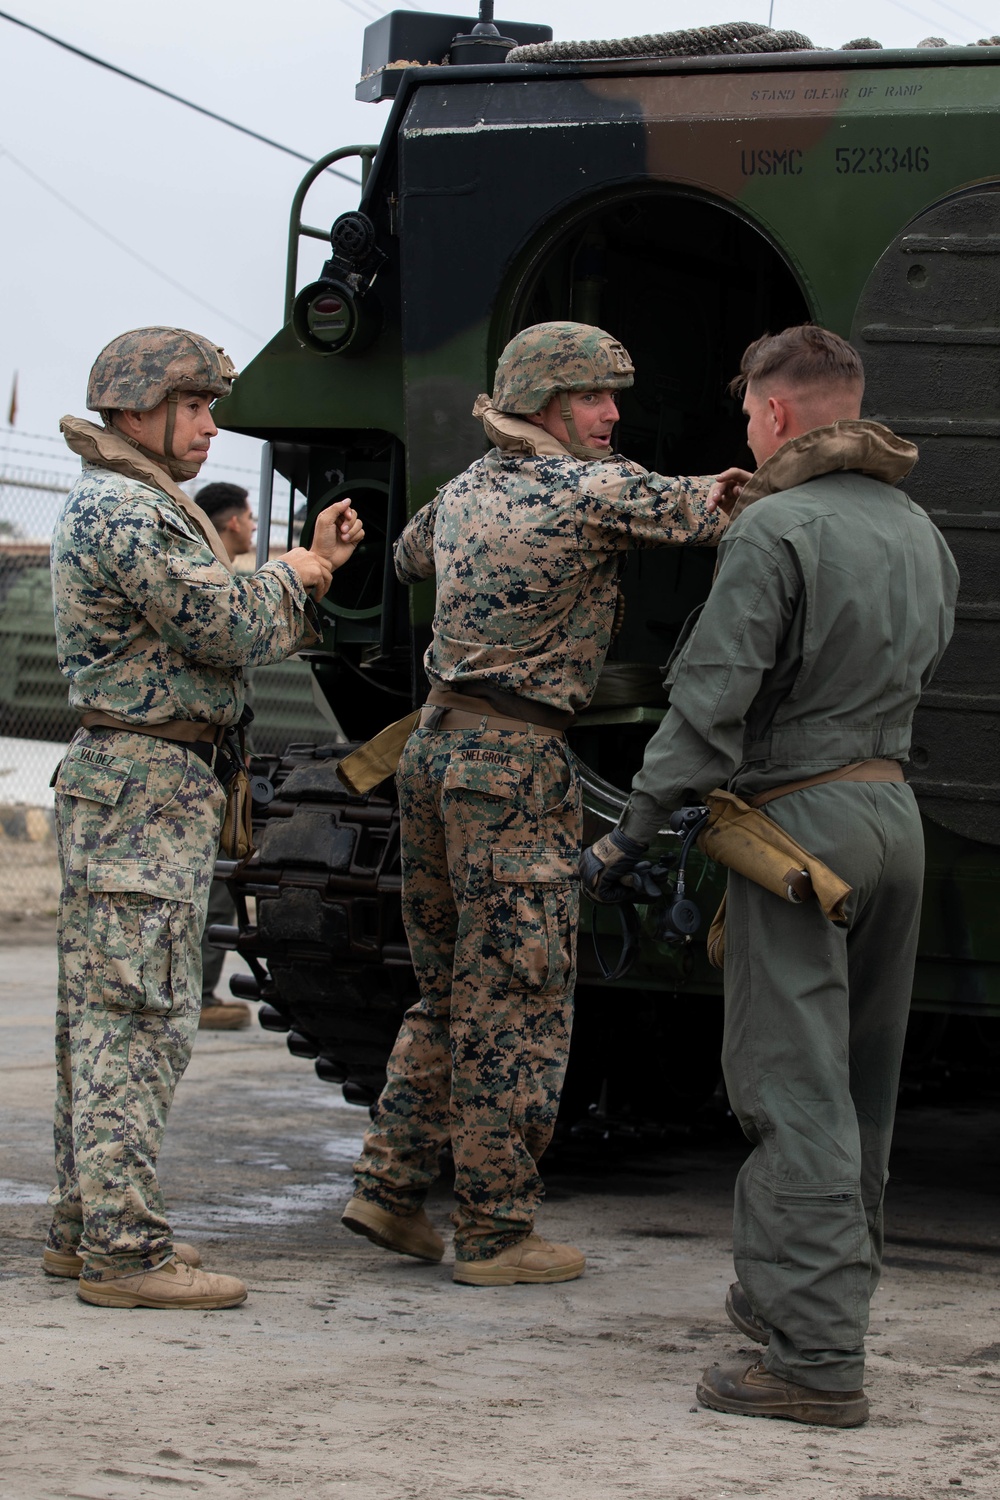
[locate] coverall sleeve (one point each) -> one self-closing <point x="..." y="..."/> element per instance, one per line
<point x="198" y="608"/>
<point x="627" y="507"/>
<point x="413" y="553"/>
<point x="699" y="743"/>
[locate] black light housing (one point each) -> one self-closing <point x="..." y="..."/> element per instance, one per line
<point x="337" y="314"/>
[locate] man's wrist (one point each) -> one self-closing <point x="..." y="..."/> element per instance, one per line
<point x="642" y="820"/>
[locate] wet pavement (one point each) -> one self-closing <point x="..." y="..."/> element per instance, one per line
<point x="354" y="1372"/>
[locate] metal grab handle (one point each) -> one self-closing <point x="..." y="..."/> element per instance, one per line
<point x="296" y="228"/>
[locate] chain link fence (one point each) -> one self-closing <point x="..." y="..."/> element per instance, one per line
<point x="36" y="723"/>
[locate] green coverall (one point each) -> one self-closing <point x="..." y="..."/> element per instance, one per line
<point x="833" y="603"/>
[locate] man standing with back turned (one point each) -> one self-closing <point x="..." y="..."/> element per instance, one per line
<point x="153" y="631"/>
<point x="832" y="606"/>
<point x="524" y="547"/>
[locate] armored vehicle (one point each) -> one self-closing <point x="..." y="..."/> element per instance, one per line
<point x="688" y="193"/>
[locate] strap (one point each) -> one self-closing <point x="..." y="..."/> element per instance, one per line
<point x="628" y="919"/>
<point x="432" y="716"/>
<point x="488" y="700"/>
<point x="858" y="770"/>
<point x="184" y="731"/>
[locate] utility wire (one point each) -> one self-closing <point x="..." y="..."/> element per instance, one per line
<point x="127" y="249"/>
<point x="942" y="5"/>
<point x="188" y="104"/>
<point x="367" y="15"/>
<point x="928" y="20"/>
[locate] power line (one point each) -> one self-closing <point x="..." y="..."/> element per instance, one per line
<point x="155" y="87"/>
<point x="366" y="15"/>
<point x="941" y="4"/>
<point x="126" y="249"/>
<point x="928" y="20"/>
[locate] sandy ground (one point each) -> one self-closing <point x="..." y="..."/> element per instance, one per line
<point x="352" y="1372"/>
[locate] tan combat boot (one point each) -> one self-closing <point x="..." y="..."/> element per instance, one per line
<point x="172" y="1285"/>
<point x="68" y="1263"/>
<point x="530" y="1260"/>
<point x="754" y="1391"/>
<point x="408" y="1234"/>
<point x="221" y="1015"/>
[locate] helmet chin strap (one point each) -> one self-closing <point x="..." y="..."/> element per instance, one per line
<point x="177" y="468"/>
<point x="576" y="447"/>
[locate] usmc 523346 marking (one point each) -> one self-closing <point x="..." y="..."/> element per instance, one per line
<point x="880" y="159"/>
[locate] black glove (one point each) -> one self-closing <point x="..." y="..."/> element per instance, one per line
<point x="613" y="871"/>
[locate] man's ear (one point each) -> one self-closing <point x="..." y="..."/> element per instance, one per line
<point x="537" y="418"/>
<point x="779" y="414"/>
<point x="128" y="422"/>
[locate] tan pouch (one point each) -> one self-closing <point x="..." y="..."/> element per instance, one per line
<point x="715" y="943"/>
<point x="378" y="758"/>
<point x="236" y="839"/>
<point x="747" y="841"/>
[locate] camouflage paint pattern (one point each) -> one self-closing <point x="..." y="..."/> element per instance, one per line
<point x="525" y="551"/>
<point x="491" y="831"/>
<point x="138" y="821"/>
<point x="551" y="357"/>
<point x="139" y="369"/>
<point x="150" y="625"/>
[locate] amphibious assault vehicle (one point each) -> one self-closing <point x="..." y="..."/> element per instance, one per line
<point x="688" y="193"/>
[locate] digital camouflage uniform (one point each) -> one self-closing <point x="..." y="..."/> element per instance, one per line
<point x="832" y="606"/>
<point x="151" y="627"/>
<point x="524" y="547"/>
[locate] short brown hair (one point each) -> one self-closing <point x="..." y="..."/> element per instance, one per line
<point x="804" y="355"/>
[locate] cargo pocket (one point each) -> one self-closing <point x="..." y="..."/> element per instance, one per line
<point x="140" y="916"/>
<point x="543" y="886"/>
<point x="93" y="775"/>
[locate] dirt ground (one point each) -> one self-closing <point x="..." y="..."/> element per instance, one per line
<point x="352" y="1372"/>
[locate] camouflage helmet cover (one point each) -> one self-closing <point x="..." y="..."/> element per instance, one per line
<point x="547" y="358"/>
<point x="139" y="369"/>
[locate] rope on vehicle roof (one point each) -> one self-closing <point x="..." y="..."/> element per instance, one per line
<point x="738" y="37"/>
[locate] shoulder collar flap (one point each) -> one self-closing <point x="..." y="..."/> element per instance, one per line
<point x="516" y="434"/>
<point x="859" y="446"/>
<point x="100" y="445"/>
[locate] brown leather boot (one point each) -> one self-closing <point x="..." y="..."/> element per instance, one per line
<point x="530" y="1260"/>
<point x="172" y="1285"/>
<point x="753" y="1391"/>
<point x="68" y="1263"/>
<point x="408" y="1234"/>
<point x="742" y="1316"/>
<point x="221" y="1015"/>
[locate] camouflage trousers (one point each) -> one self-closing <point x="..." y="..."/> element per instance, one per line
<point x="137" y="821"/>
<point x="491" y="831"/>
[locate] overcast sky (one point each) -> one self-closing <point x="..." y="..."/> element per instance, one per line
<point x="209" y="208"/>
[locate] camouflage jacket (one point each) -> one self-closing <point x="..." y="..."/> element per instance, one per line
<point x="524" y="547"/>
<point x="150" y="625"/>
<point x="832" y="605"/>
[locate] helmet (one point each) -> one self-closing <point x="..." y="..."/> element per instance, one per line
<point x="138" y="370"/>
<point x="547" y="358"/>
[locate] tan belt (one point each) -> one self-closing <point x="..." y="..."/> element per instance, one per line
<point x="858" y="770"/>
<point x="461" y="718"/>
<point x="184" y="731"/>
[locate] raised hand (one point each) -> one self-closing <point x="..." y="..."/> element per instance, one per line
<point x="727" y="489"/>
<point x="338" y="531"/>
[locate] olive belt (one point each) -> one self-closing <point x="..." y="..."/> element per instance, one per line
<point x="858" y="770"/>
<point x="441" y="711"/>
<point x="433" y="717"/>
<point x="204" y="739"/>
